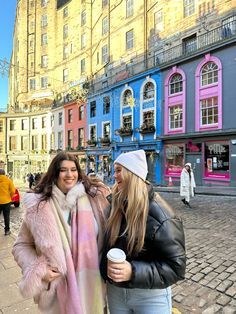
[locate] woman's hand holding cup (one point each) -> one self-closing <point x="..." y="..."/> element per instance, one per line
<point x="118" y="269"/>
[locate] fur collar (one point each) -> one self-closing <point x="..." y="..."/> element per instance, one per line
<point x="68" y="201"/>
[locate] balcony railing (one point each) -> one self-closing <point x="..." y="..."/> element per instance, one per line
<point x="124" y="69"/>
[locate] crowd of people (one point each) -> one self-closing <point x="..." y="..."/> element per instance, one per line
<point x="71" y="222"/>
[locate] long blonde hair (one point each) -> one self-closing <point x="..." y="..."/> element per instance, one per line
<point x="131" y="201"/>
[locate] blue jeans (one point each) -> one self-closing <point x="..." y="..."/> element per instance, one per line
<point x="138" y="301"/>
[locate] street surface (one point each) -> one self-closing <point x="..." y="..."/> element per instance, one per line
<point x="210" y="229"/>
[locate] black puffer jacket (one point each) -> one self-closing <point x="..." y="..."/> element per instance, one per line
<point x="162" y="261"/>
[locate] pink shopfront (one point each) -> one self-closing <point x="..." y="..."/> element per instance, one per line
<point x="210" y="160"/>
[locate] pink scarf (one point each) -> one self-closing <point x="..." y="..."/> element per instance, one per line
<point x="81" y="292"/>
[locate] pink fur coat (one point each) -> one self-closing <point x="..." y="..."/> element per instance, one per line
<point x="38" y="244"/>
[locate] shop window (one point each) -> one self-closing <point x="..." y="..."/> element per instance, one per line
<point x="217" y="159"/>
<point x="174" y="159"/>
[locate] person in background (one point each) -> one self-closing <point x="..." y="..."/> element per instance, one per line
<point x="31" y="180"/>
<point x="187" y="184"/>
<point x="7" y="190"/>
<point x="58" y="246"/>
<point x="146" y="228"/>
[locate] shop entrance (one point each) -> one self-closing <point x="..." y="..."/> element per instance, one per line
<point x="197" y="166"/>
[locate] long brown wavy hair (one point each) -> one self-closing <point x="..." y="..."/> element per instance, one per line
<point x="131" y="201"/>
<point x="50" y="178"/>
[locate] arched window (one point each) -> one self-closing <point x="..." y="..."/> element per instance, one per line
<point x="148" y="91"/>
<point x="208" y="82"/>
<point x="176" y="84"/>
<point x="209" y="74"/>
<point x="127" y="94"/>
<point x="175" y="101"/>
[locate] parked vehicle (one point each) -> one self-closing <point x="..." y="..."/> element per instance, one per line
<point x="16" y="198"/>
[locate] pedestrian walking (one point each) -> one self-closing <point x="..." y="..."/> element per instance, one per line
<point x="60" y="240"/>
<point x="7" y="190"/>
<point x="152" y="237"/>
<point x="31" y="180"/>
<point x="187" y="184"/>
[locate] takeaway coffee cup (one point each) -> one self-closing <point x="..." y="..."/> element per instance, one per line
<point x="116" y="255"/>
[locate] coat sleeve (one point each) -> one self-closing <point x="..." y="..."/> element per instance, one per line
<point x="170" y="265"/>
<point x="33" y="265"/>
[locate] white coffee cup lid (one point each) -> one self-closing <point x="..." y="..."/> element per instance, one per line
<point x="116" y="255"/>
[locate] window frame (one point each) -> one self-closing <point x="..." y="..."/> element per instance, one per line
<point x="129" y="40"/>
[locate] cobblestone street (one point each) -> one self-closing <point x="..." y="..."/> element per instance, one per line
<point x="210" y="284"/>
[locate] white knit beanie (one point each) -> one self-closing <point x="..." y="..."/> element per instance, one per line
<point x="135" y="162"/>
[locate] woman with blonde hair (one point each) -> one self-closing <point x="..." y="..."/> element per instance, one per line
<point x="151" y="235"/>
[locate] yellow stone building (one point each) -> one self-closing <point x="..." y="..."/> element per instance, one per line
<point x="58" y="45"/>
<point x="2" y="141"/>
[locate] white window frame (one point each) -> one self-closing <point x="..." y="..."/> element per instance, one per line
<point x="210" y="107"/>
<point x="177" y="123"/>
<point x="209" y="74"/>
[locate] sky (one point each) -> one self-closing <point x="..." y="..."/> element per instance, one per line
<point x="7" y="18"/>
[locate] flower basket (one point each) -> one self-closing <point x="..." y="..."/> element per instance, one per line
<point x="147" y="129"/>
<point x="125" y="132"/>
<point x="91" y="142"/>
<point x="105" y="141"/>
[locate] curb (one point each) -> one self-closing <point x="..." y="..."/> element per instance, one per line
<point x="213" y="193"/>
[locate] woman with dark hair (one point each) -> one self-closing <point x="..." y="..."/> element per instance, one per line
<point x="59" y="243"/>
<point x="146" y="228"/>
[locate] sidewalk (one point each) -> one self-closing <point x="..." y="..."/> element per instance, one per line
<point x="10" y="299"/>
<point x="202" y="190"/>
